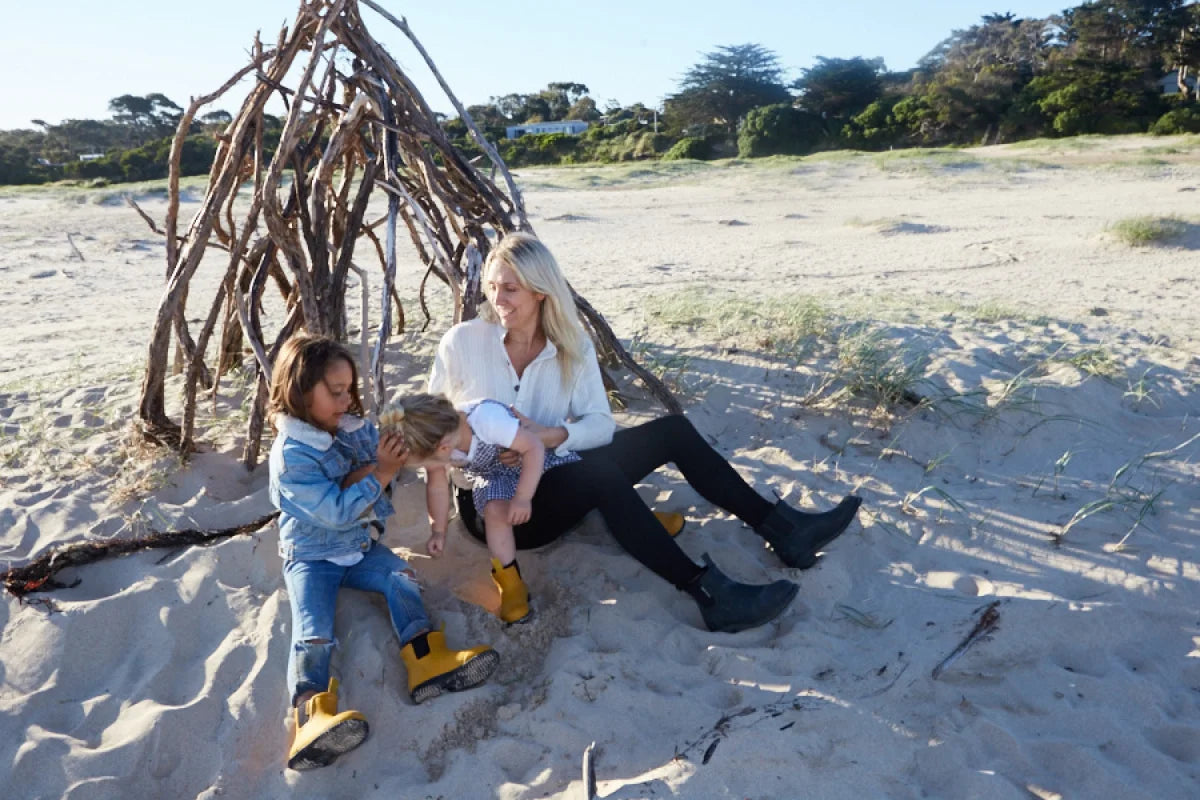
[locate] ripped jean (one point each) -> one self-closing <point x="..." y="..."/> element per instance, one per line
<point x="313" y="587"/>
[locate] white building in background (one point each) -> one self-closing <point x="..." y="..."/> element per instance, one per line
<point x="1169" y="83"/>
<point x="571" y="127"/>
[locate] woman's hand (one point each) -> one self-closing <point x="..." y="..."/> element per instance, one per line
<point x="551" y="437"/>
<point x="436" y="544"/>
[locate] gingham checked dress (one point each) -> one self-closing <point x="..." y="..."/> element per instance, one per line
<point x="492" y="479"/>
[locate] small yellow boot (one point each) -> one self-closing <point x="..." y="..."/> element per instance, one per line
<point x="322" y="734"/>
<point x="514" y="595"/>
<point x="432" y="669"/>
<point x="672" y="521"/>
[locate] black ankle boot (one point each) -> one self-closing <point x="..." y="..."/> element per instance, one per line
<point x="797" y="536"/>
<point x="729" y="606"/>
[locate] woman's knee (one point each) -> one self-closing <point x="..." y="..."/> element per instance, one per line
<point x="673" y="427"/>
<point x="602" y="478"/>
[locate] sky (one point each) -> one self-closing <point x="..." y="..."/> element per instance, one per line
<point x="79" y="54"/>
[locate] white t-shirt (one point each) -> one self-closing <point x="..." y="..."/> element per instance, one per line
<point x="472" y="365"/>
<point x="490" y="423"/>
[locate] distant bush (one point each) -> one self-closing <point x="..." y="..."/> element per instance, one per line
<point x="636" y="146"/>
<point x="1179" y="120"/>
<point x="874" y="128"/>
<point x="779" y="130"/>
<point x="689" y="147"/>
<point x="1142" y="231"/>
<point x="538" y="149"/>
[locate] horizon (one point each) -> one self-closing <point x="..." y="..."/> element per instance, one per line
<point x="75" y="75"/>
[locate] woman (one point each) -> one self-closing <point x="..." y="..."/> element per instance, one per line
<point x="529" y="350"/>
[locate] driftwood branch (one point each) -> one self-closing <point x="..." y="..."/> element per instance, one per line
<point x="38" y="575"/>
<point x="74" y="249"/>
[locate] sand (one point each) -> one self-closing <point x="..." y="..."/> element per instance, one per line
<point x="1041" y="462"/>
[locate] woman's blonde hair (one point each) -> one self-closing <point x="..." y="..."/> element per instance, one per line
<point x="422" y="420"/>
<point x="537" y="271"/>
<point x="301" y="364"/>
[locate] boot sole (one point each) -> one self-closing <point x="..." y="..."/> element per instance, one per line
<point x="324" y="750"/>
<point x="508" y="623"/>
<point x="520" y="620"/>
<point x="470" y="674"/>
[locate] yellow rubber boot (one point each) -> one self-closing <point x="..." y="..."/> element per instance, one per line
<point x="671" y="521"/>
<point x="514" y="595"/>
<point x="432" y="669"/>
<point x="322" y="734"/>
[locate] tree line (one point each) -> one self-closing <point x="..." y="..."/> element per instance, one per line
<point x="1094" y="68"/>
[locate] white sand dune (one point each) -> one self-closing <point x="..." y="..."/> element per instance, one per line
<point x="1060" y="370"/>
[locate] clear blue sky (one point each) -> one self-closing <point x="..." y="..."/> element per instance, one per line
<point x="74" y="56"/>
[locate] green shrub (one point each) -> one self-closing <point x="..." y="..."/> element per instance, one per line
<point x="874" y="128"/>
<point x="1142" y="231"/>
<point x="689" y="147"/>
<point x="1179" y="120"/>
<point x="779" y="130"/>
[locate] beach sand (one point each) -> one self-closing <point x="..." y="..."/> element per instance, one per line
<point x="1037" y="459"/>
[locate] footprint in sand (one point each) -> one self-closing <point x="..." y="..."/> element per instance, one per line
<point x="967" y="585"/>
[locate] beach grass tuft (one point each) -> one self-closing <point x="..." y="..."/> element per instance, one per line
<point x="1144" y="231"/>
<point x="784" y="324"/>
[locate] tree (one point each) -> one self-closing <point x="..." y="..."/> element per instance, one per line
<point x="1133" y="32"/>
<point x="152" y="116"/>
<point x="1183" y="53"/>
<point x="561" y="97"/>
<point x="779" y="130"/>
<point x="216" y="119"/>
<point x="839" y="88"/>
<point x="1087" y="96"/>
<point x="970" y="83"/>
<point x="730" y="81"/>
<point x="584" y="109"/>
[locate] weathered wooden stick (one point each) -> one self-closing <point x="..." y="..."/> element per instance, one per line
<point x="38" y="575"/>
<point x="74" y="249"/>
<point x="589" y="772"/>
<point x="987" y="623"/>
<point x="480" y="139"/>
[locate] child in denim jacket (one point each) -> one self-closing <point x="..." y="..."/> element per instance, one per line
<point x="328" y="472"/>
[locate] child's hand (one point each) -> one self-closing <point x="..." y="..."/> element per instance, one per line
<point x="391" y="454"/>
<point x="519" y="511"/>
<point x="436" y="544"/>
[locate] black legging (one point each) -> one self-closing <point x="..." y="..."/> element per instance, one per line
<point x="604" y="480"/>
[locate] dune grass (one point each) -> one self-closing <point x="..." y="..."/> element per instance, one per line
<point x="1144" y="231"/>
<point x="785" y="324"/>
<point x="860" y="361"/>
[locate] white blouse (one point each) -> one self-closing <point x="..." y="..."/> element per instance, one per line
<point x="473" y="365"/>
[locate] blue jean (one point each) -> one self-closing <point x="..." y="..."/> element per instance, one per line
<point x="313" y="588"/>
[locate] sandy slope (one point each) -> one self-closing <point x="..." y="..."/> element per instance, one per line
<point x="1059" y="371"/>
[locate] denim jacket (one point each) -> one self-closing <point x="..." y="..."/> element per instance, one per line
<point x="318" y="518"/>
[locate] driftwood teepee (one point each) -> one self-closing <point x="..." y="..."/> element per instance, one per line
<point x="354" y="125"/>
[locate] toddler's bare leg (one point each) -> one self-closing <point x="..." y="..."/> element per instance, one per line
<point x="500" y="540"/>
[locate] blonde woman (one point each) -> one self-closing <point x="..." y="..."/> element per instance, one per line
<point x="528" y="350"/>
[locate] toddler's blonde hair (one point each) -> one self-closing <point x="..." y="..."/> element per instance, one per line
<point x="422" y="420"/>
